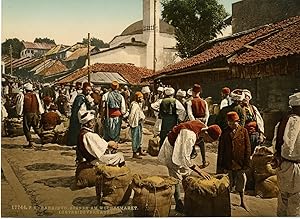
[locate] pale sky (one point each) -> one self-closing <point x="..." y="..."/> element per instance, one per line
<point x="69" y="21"/>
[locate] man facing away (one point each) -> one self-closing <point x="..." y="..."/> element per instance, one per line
<point x="226" y="99"/>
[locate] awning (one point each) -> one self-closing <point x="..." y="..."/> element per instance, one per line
<point x="103" y="78"/>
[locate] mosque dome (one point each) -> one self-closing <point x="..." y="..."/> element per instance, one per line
<point x="137" y="28"/>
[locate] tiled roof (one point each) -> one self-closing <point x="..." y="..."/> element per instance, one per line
<point x="266" y="42"/>
<point x="130" y="72"/>
<point x="78" y="53"/>
<point x="45" y="46"/>
<point x="49" y="67"/>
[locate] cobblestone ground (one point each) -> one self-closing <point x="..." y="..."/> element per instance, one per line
<point x="47" y="173"/>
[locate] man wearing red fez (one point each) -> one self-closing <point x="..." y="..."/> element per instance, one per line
<point x="114" y="107"/>
<point x="226" y="100"/>
<point x="176" y="151"/>
<point x="197" y="109"/>
<point x="234" y="152"/>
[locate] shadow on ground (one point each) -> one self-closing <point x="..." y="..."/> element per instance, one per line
<point x="85" y="201"/>
<point x="11" y="146"/>
<point x="65" y="182"/>
<point x="49" y="166"/>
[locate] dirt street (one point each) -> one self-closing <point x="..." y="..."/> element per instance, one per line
<point x="37" y="182"/>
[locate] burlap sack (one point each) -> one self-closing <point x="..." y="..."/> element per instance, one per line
<point x="113" y="185"/>
<point x="261" y="162"/>
<point x="48" y="137"/>
<point x="267" y="188"/>
<point x="153" y="146"/>
<point x="61" y="133"/>
<point x="14" y="127"/>
<point x="153" y="195"/>
<point x="205" y="198"/>
<point x="125" y="135"/>
<point x="85" y="175"/>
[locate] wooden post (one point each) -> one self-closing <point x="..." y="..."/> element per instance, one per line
<point x="154" y="41"/>
<point x="10" y="53"/>
<point x="89" y="73"/>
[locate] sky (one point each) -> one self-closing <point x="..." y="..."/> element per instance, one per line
<point x="69" y="21"/>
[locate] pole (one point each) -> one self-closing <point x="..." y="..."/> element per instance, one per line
<point x="10" y="53"/>
<point x="89" y="73"/>
<point x="154" y="41"/>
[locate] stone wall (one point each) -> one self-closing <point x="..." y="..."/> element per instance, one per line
<point x="248" y="14"/>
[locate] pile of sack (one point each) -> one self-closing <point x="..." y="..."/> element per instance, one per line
<point x="264" y="175"/>
<point x="153" y="195"/>
<point x="14" y="127"/>
<point x="153" y="146"/>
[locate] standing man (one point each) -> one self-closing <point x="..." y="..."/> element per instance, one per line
<point x="171" y="111"/>
<point x="80" y="105"/>
<point x="114" y="108"/>
<point x="136" y="119"/>
<point x="74" y="93"/>
<point x="30" y="106"/>
<point x="177" y="148"/>
<point x="287" y="149"/>
<point x="226" y="100"/>
<point x="197" y="109"/>
<point x="234" y="153"/>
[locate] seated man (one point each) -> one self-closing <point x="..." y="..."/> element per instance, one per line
<point x="93" y="148"/>
<point x="50" y="119"/>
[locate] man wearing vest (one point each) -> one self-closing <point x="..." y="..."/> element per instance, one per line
<point x="171" y="111"/>
<point x="114" y="109"/>
<point x="197" y="109"/>
<point x="287" y="147"/>
<point x="177" y="148"/>
<point x="93" y="148"/>
<point x="30" y="106"/>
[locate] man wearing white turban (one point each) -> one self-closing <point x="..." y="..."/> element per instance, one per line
<point x="287" y="147"/>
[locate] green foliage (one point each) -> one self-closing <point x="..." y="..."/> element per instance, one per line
<point x="44" y="40"/>
<point x="195" y="22"/>
<point x="16" y="47"/>
<point x="95" y="42"/>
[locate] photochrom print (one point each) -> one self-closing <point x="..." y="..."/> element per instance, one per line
<point x="150" y="108"/>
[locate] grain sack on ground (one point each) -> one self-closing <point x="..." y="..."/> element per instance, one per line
<point x="113" y="185"/>
<point x="261" y="162"/>
<point x="48" y="137"/>
<point x="61" y="133"/>
<point x="153" y="146"/>
<point x="85" y="175"/>
<point x="268" y="188"/>
<point x="14" y="127"/>
<point x="125" y="135"/>
<point x="153" y="195"/>
<point x="206" y="198"/>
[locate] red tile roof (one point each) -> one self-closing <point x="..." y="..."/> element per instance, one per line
<point x="267" y="38"/>
<point x="55" y="68"/>
<point x="130" y="72"/>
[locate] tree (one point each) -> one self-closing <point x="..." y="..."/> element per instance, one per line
<point x="95" y="42"/>
<point x="195" y="22"/>
<point x="16" y="47"/>
<point x="44" y="40"/>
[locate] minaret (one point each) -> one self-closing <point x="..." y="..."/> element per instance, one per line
<point x="151" y="15"/>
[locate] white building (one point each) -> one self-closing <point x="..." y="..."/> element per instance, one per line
<point x="35" y="49"/>
<point x="135" y="44"/>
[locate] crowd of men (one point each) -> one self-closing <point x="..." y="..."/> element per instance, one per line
<point x="184" y="120"/>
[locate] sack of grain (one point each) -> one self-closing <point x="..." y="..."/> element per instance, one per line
<point x="267" y="188"/>
<point x="113" y="185"/>
<point x="125" y="135"/>
<point x="85" y="175"/>
<point x="48" y="137"/>
<point x="14" y="127"/>
<point x="61" y="133"/>
<point x="153" y="146"/>
<point x="261" y="162"/>
<point x="153" y="195"/>
<point x="206" y="198"/>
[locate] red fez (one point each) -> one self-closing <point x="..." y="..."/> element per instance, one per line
<point x="197" y="88"/>
<point x="233" y="116"/>
<point x="251" y="124"/>
<point x="214" y="131"/>
<point x="225" y="90"/>
<point x="86" y="84"/>
<point x="114" y="85"/>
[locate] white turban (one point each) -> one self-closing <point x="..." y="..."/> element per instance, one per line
<point x="169" y="91"/>
<point x="181" y="93"/>
<point x="237" y="95"/>
<point x="294" y="100"/>
<point x="161" y="89"/>
<point x="145" y="90"/>
<point x="88" y="116"/>
<point x="247" y="93"/>
<point x="28" y="86"/>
